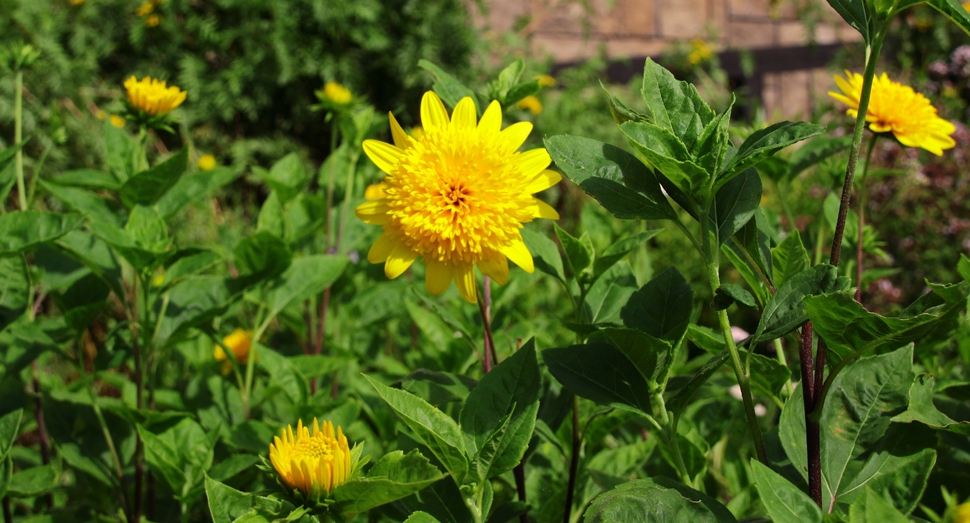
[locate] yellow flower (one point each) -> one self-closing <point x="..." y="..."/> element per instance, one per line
<point x="146" y="8"/>
<point x="152" y="20"/>
<point x="77" y="2"/>
<point x="117" y="121"/>
<point x="239" y="342"/>
<point x="457" y="197"/>
<point x="152" y="97"/>
<point x="546" y="80"/>
<point x="417" y="133"/>
<point x="375" y="191"/>
<point x="337" y="93"/>
<point x="157" y="281"/>
<point x="701" y="51"/>
<point x="207" y="162"/>
<point x="963" y="511"/>
<point x="966" y="5"/>
<point x="101" y="114"/>
<point x="531" y="104"/>
<point x="314" y="464"/>
<point x="895" y="107"/>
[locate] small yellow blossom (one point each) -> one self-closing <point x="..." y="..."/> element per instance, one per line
<point x="117" y="121"/>
<point x="962" y="513"/>
<point x="207" y="162"/>
<point x="337" y="93"/>
<point x="77" y="2"/>
<point x="314" y="463"/>
<point x="531" y="104"/>
<point x="457" y="197"/>
<point x="152" y="97"/>
<point x="701" y="51"/>
<point x="101" y="114"/>
<point x="546" y="80"/>
<point x="152" y="20"/>
<point x="146" y="8"/>
<point x="897" y="108"/>
<point x="374" y="191"/>
<point x="158" y="280"/>
<point x="239" y="342"/>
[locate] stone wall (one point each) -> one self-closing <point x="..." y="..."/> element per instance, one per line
<point x="637" y="28"/>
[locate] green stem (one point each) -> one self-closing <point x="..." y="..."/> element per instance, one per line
<point x="97" y="412"/>
<point x="862" y="217"/>
<point x="33" y="179"/>
<point x="818" y="244"/>
<point x="783" y="360"/>
<point x="784" y="204"/>
<point x="348" y="200"/>
<point x="330" y="183"/>
<point x="18" y="136"/>
<point x="143" y="148"/>
<point x="745" y="383"/>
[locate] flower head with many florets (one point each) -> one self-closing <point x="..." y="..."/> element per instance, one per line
<point x="457" y="196"/>
<point x="899" y="109"/>
<point x="315" y="462"/>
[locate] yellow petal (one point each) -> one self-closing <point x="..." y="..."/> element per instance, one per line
<point x="398" y="261"/>
<point x="520" y="255"/>
<point x="496" y="268"/>
<point x="438" y="276"/>
<point x="878" y="127"/>
<point x="382" y="248"/>
<point x="514" y="135"/>
<point x="491" y="121"/>
<point x="533" y="162"/>
<point x="541" y="209"/>
<point x="545" y="180"/>
<point x="465" y="281"/>
<point x="374" y="212"/>
<point x="464" y="115"/>
<point x="433" y="113"/>
<point x="401" y="138"/>
<point x="844" y="99"/>
<point x="384" y="155"/>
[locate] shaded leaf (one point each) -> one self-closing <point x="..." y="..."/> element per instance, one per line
<point x="662" y="307"/>
<point x="23" y="230"/>
<point x="735" y="204"/>
<point x="785" y="502"/>
<point x="764" y="143"/>
<point x="656" y="500"/>
<point x="601" y="373"/>
<point x="147" y="187"/>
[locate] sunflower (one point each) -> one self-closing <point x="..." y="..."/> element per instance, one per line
<point x="239" y="342"/>
<point x="897" y="108"/>
<point x="457" y="196"/>
<point x="314" y="463"/>
<point x="531" y="104"/>
<point x="152" y="97"/>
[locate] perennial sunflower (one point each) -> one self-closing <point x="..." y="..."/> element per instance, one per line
<point x="239" y="342"/>
<point x="457" y="196"/>
<point x="152" y="97"/>
<point x="897" y="108"/>
<point x="314" y="463"/>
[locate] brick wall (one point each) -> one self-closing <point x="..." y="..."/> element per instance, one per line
<point x="638" y="28"/>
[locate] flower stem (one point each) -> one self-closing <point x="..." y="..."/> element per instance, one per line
<point x="573" y="462"/>
<point x="808" y="396"/>
<point x="348" y="200"/>
<point x="783" y="360"/>
<point x="862" y="217"/>
<point x="18" y="136"/>
<point x="136" y="333"/>
<point x="484" y="308"/>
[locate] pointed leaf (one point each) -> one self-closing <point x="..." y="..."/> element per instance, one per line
<point x="656" y="500"/>
<point x="786" y="309"/>
<point x="393" y="477"/>
<point x="674" y="105"/>
<point x="23" y="230"/>
<point x="600" y="373"/>
<point x="147" y="187"/>
<point x="662" y="307"/>
<point x="735" y="204"/>
<point x="785" y="502"/>
<point x="764" y="143"/>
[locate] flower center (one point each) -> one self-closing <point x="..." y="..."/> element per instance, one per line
<point x="313" y="448"/>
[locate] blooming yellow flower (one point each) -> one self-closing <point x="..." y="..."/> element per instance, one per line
<point x="207" y="162"/>
<point x="316" y="463"/>
<point x="337" y="93"/>
<point x="457" y="197"/>
<point x="152" y="97"/>
<point x="117" y="121"/>
<point x="239" y="342"/>
<point x="101" y="114"/>
<point x="962" y="514"/>
<point x="701" y="51"/>
<point x="546" y="80"/>
<point x="531" y="104"/>
<point x="417" y="133"/>
<point x="77" y="2"/>
<point x="145" y="8"/>
<point x="152" y="20"/>
<point x="898" y="108"/>
<point x="375" y="191"/>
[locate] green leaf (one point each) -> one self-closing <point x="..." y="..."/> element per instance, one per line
<point x="621" y="113"/>
<point x="617" y="251"/>
<point x="448" y="87"/>
<point x="849" y="330"/>
<point x="305" y="277"/>
<point x="163" y="459"/>
<point x="670" y="156"/>
<point x="735" y="204"/>
<point x="786" y="310"/>
<point x="682" y="396"/>
<point x="194" y="302"/>
<point x="272" y="217"/>
<point x="87" y="179"/>
<point x="32" y="482"/>
<point x="953" y="10"/>
<point x="874" y="507"/>
<point x="189" y="262"/>
<point x="125" y="245"/>
<point x="601" y="373"/>
<point x="814" y="151"/>
<point x="764" y="143"/>
<point x="262" y="255"/>
<point x="545" y="253"/>
<point x="789" y="258"/>
<point x="511" y="390"/>
<point x="710" y="340"/>
<point x="608" y="295"/>
<point x="434" y="428"/>
<point x="713" y="143"/>
<point x="23" y="230"/>
<point x="921" y="408"/>
<point x="14" y="291"/>
<point x="656" y="500"/>
<point x="148" y="229"/>
<point x="393" y="477"/>
<point x="651" y="356"/>
<point x="730" y="293"/>
<point x="287" y="177"/>
<point x="421" y="517"/>
<point x="95" y="208"/>
<point x="95" y="255"/>
<point x="9" y="430"/>
<point x="621" y="183"/>
<point x="434" y="329"/>
<point x="121" y="152"/>
<point x="226" y="504"/>
<point x="674" y="105"/>
<point x="147" y="187"/>
<point x="661" y="308"/>
<point x="579" y="251"/>
<point x="785" y="502"/>
<point x="766" y="373"/>
<point x="752" y="244"/>
<point x="194" y="187"/>
<point x="82" y="302"/>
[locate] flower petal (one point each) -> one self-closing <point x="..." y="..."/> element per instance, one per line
<point x="520" y="255"/>
<point x="384" y="155"/>
<point x="533" y="162"/>
<point x="465" y="281"/>
<point x="496" y="268"/>
<point x="433" y="113"/>
<point x="398" y="261"/>
<point x="541" y="209"/>
<point x="465" y="114"/>
<point x="401" y="138"/>
<point x="514" y="135"/>
<point x="374" y="212"/>
<point x="491" y="121"/>
<point x="438" y="276"/>
<point x="382" y="248"/>
<point x="545" y="180"/>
